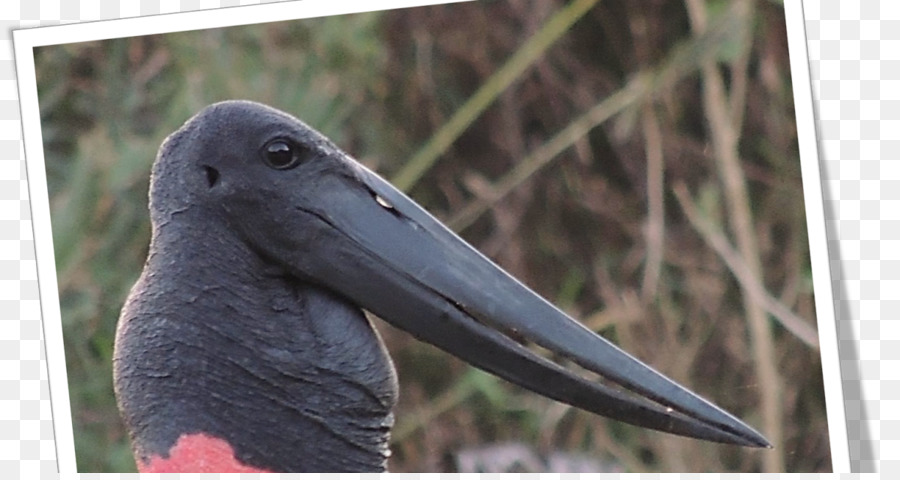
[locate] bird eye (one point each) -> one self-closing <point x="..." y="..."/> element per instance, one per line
<point x="281" y="154"/>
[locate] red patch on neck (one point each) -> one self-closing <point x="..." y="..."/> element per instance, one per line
<point x="198" y="453"/>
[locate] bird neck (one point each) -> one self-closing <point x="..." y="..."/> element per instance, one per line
<point x="224" y="362"/>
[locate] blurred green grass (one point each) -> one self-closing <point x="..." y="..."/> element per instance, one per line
<point x="379" y="85"/>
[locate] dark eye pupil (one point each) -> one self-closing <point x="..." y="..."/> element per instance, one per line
<point x="280" y="154"/>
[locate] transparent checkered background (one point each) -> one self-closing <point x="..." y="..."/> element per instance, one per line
<point x="854" y="54"/>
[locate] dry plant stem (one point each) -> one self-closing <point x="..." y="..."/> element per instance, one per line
<point x="724" y="137"/>
<point x="655" y="229"/>
<point x="548" y="151"/>
<point x="683" y="60"/>
<point x="524" y="57"/>
<point x="751" y="284"/>
<point x="740" y="64"/>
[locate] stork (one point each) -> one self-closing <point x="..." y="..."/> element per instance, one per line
<point x="243" y="346"/>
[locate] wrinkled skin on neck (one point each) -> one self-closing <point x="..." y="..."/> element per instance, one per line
<point x="216" y="339"/>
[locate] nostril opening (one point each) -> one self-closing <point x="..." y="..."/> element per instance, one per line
<point x="212" y="175"/>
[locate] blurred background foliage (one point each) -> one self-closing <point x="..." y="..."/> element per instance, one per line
<point x="597" y="228"/>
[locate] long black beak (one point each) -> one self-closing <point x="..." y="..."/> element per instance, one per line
<point x="378" y="248"/>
